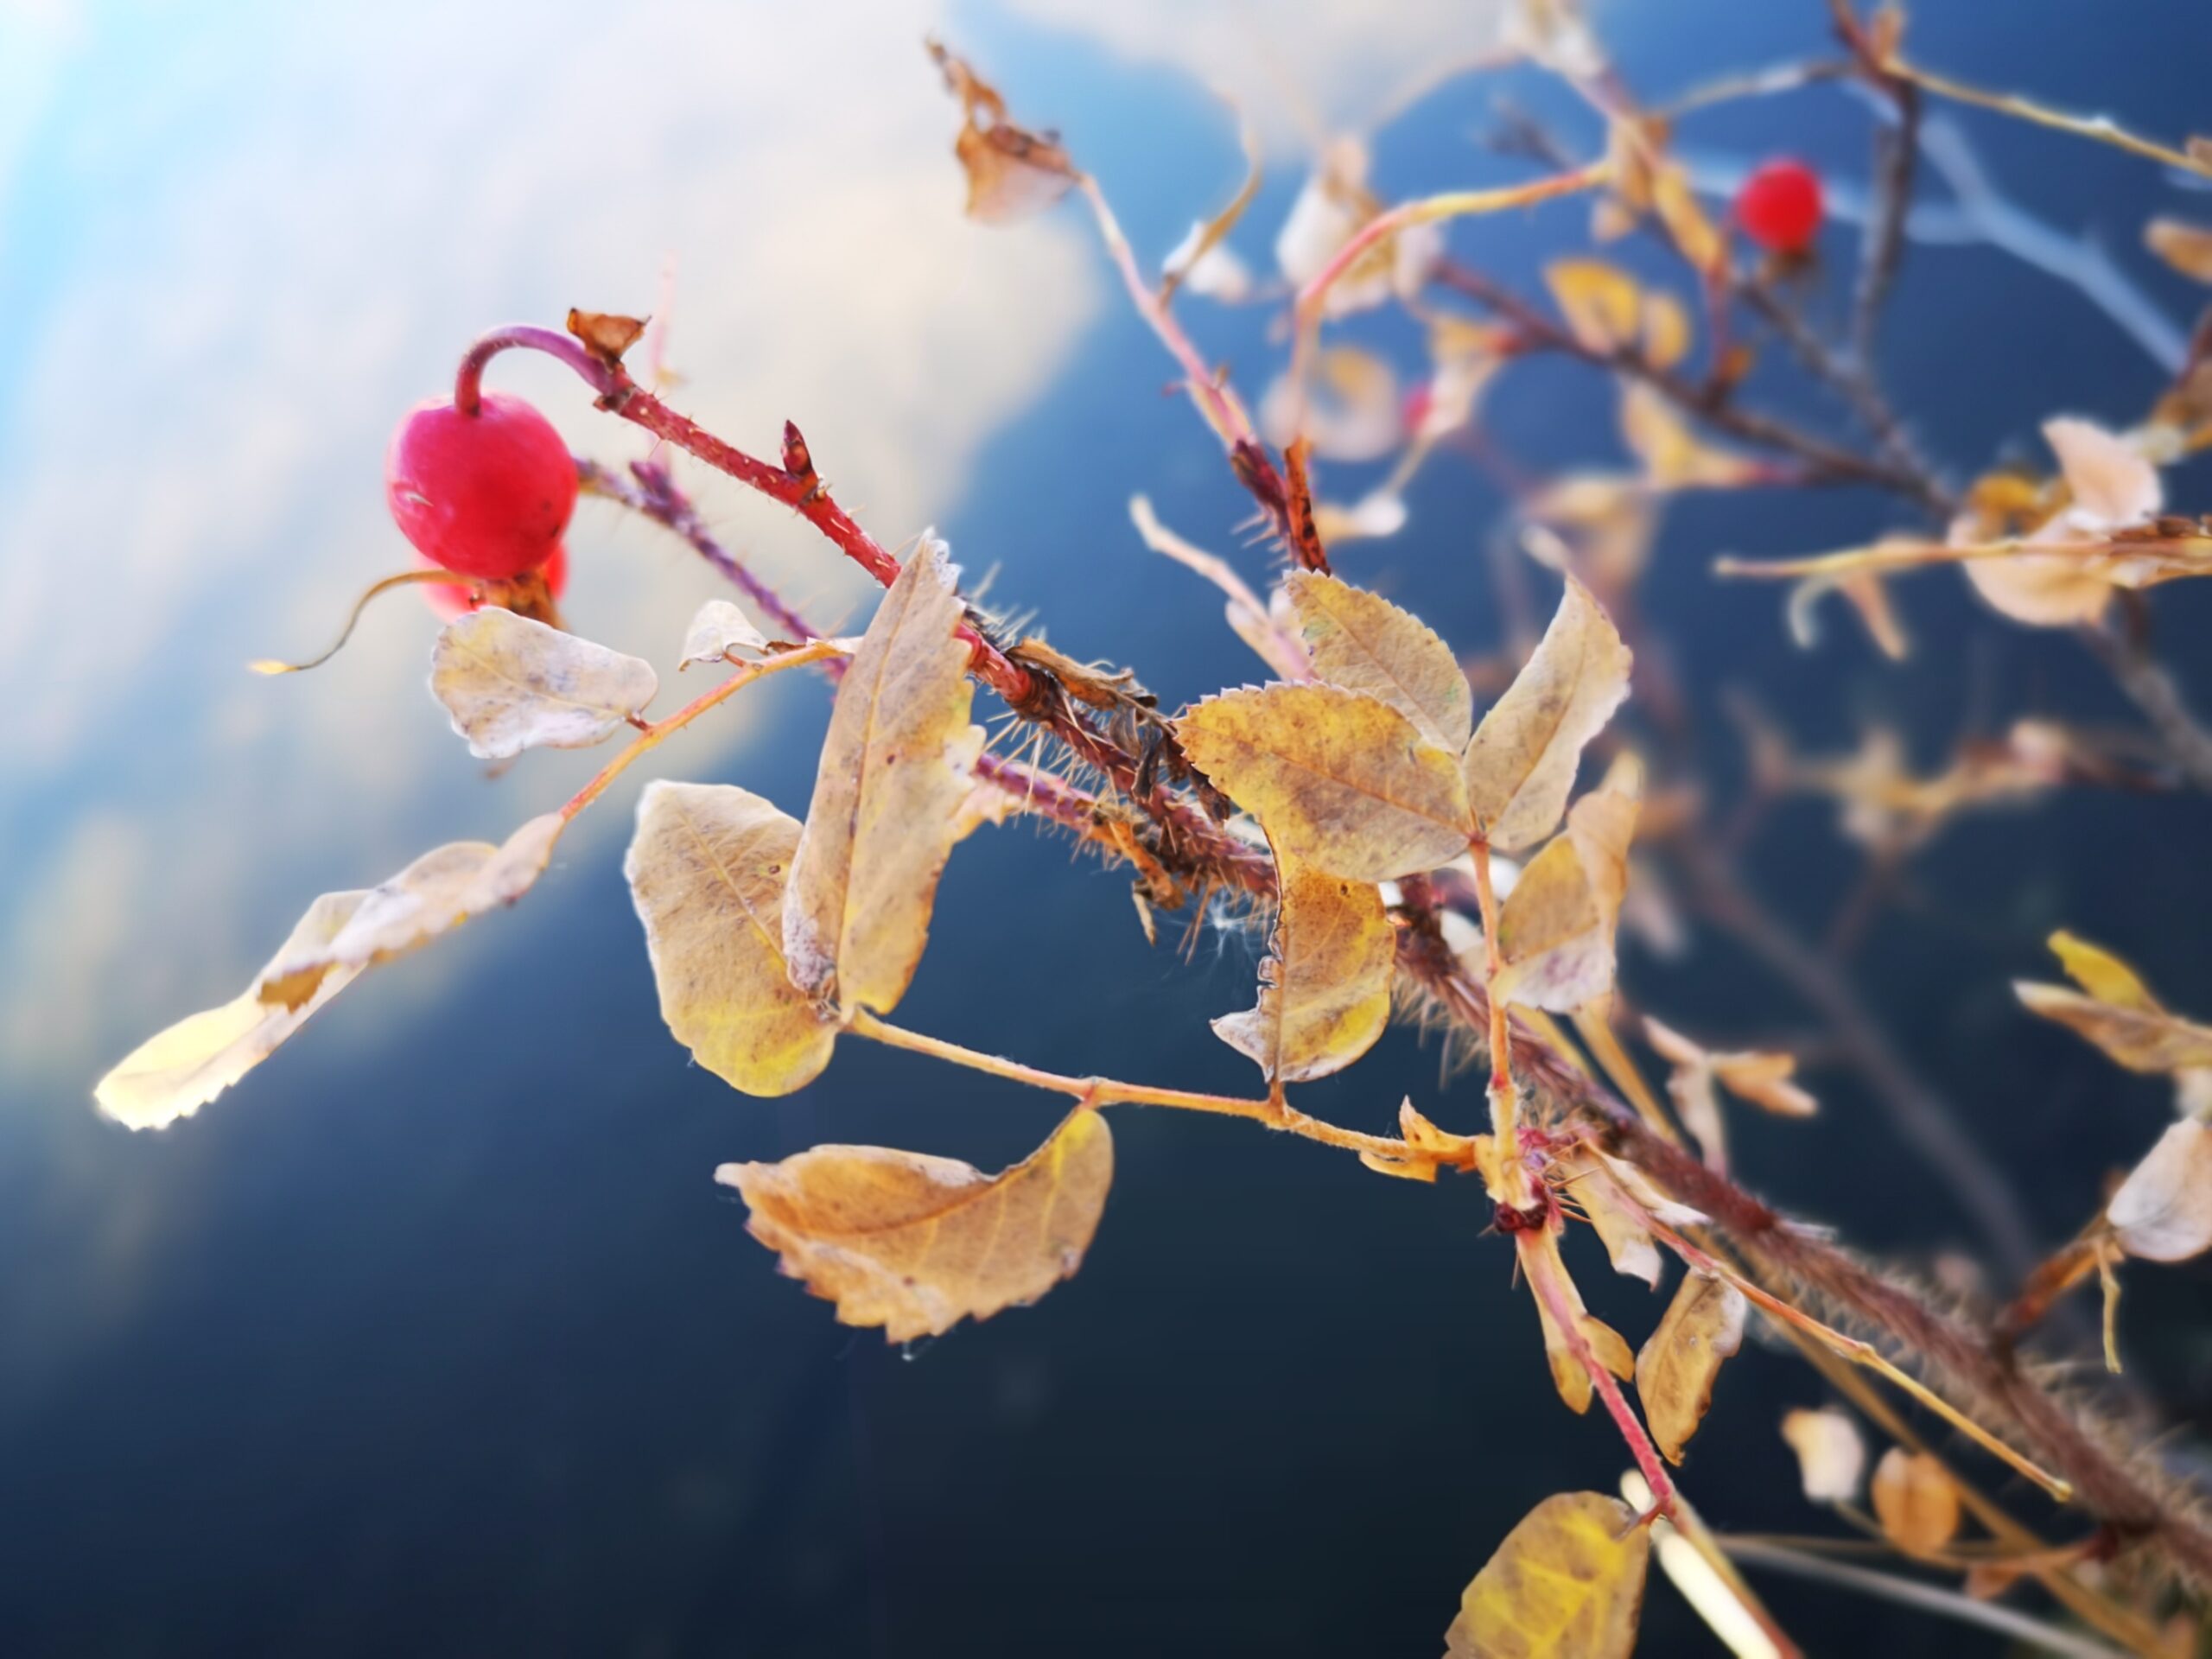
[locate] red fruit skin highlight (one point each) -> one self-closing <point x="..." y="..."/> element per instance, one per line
<point x="487" y="495"/>
<point x="1779" y="206"/>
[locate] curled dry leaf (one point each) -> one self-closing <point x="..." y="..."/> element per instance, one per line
<point x="1012" y="172"/>
<point x="1673" y="457"/>
<point x="2186" y="247"/>
<point x="895" y="768"/>
<point x="1361" y="642"/>
<point x="604" y="335"/>
<point x="915" y="1243"/>
<point x="1338" y="779"/>
<point x="707" y="870"/>
<point x="1764" y="1079"/>
<point x="1378" y="514"/>
<point x="2119" y="1014"/>
<point x="1676" y="1368"/>
<point x="1208" y="268"/>
<point x="1324" y="988"/>
<point x="512" y="685"/>
<point x="2112" y="486"/>
<point x="1568" y="1583"/>
<point x="176" y="1072"/>
<point x="1831" y="1455"/>
<point x="1602" y="303"/>
<point x="2163" y="1211"/>
<point x="1914" y="1501"/>
<point x="1865" y="592"/>
<point x="719" y="629"/>
<point x="1521" y="765"/>
<point x="1597" y="527"/>
<point x="1555" y="929"/>
<point x="1334" y="205"/>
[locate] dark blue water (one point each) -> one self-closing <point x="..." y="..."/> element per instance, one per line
<point x="435" y="1336"/>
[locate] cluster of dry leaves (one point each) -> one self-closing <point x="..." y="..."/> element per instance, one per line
<point x="1378" y="821"/>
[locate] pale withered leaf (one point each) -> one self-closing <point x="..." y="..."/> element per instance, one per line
<point x="719" y="629"/>
<point x="915" y="1243"/>
<point x="1338" y="779"/>
<point x="1914" y="1501"/>
<point x="2112" y="486"/>
<point x="1359" y="640"/>
<point x="1555" y="929"/>
<point x="1324" y="986"/>
<point x="174" y="1073"/>
<point x="511" y="684"/>
<point x="605" y="335"/>
<point x="707" y="870"/>
<point x="1350" y="408"/>
<point x="1520" y="766"/>
<point x="1831" y="1455"/>
<point x="1012" y="172"/>
<point x="435" y="893"/>
<point x="896" y="765"/>
<point x="1568" y="1583"/>
<point x="1602" y="303"/>
<point x="1674" y="457"/>
<point x="2163" y="1211"/>
<point x="1676" y="1368"/>
<point x="2119" y="1014"/>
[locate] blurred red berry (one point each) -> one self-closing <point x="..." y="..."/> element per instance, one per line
<point x="484" y="495"/>
<point x="1779" y="206"/>
<point x="1413" y="412"/>
<point x="453" y="599"/>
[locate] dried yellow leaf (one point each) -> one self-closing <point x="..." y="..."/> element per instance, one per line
<point x="1831" y="1455"/>
<point x="1338" y="779"/>
<point x="437" y="893"/>
<point x="1914" y="1501"/>
<point x="1569" y="1375"/>
<point x="2163" y="1211"/>
<point x="175" y="1072"/>
<point x="1602" y="303"/>
<point x="707" y="870"/>
<point x="1324" y="988"/>
<point x="895" y="768"/>
<point x="915" y="1243"/>
<point x="1673" y="457"/>
<point x="511" y="684"/>
<point x="2119" y="1014"/>
<point x="1676" y="1368"/>
<point x="1568" y="1583"/>
<point x="1555" y="929"/>
<point x="1521" y="765"/>
<point x="1361" y="641"/>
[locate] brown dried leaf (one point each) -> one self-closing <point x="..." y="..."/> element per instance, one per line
<point x="1555" y="929"/>
<point x="2163" y="1211"/>
<point x="1012" y="172"/>
<point x="510" y="684"/>
<point x="707" y="871"/>
<point x="1676" y="1368"/>
<point x="1520" y="766"/>
<point x="895" y="767"/>
<point x="1569" y="1375"/>
<point x="1568" y="1583"/>
<point x="1914" y="1501"/>
<point x="719" y="629"/>
<point x="915" y="1243"/>
<point x="604" y="335"/>
<point x="1324" y="988"/>
<point x="1359" y="640"/>
<point x="1831" y="1456"/>
<point x="1338" y="779"/>
<point x="2119" y="1015"/>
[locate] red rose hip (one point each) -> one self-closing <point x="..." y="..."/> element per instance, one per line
<point x="485" y="495"/>
<point x="1779" y="207"/>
